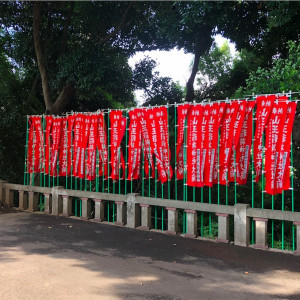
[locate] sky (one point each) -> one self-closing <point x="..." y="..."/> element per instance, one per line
<point x="175" y="63"/>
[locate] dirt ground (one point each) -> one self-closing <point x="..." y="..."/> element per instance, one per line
<point x="46" y="257"/>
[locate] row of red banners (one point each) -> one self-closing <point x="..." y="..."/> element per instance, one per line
<point x="217" y="138"/>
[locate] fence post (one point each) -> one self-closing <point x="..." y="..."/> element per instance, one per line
<point x="145" y="216"/>
<point x="223" y="228"/>
<point x="241" y="225"/>
<point x="23" y="200"/>
<point x="57" y="204"/>
<point x="121" y="213"/>
<point x="172" y="220"/>
<point x="261" y="233"/>
<point x="133" y="211"/>
<point x="297" y="251"/>
<point x="33" y="201"/>
<point x="191" y="223"/>
<point x="9" y="198"/>
<point x="2" y="192"/>
<point x="86" y="208"/>
<point x="48" y="206"/>
<point x="99" y="210"/>
<point x="67" y="206"/>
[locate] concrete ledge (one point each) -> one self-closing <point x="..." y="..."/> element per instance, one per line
<point x="261" y="246"/>
<point x="222" y="241"/>
<point x="171" y="232"/>
<point x="143" y="227"/>
<point x="119" y="223"/>
<point x="188" y="235"/>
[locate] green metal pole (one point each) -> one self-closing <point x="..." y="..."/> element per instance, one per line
<point x="108" y="163"/>
<point x="97" y="170"/>
<point x="292" y="186"/>
<point x="282" y="222"/>
<point x="168" y="143"/>
<point x="175" y="129"/>
<point x="272" y="223"/>
<point x="262" y="173"/>
<point x="155" y="183"/>
<point x="126" y="154"/>
<point x="235" y="192"/>
<point x="143" y="170"/>
<point x="202" y="214"/>
<point x="26" y="151"/>
<point x="252" y="173"/>
<point x="66" y="146"/>
<point x="218" y="166"/>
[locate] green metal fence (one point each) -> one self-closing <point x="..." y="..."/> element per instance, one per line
<point x="281" y="234"/>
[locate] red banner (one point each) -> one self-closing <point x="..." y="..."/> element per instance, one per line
<point x="118" y="125"/>
<point x="135" y="146"/>
<point x="102" y="146"/>
<point x="182" y="111"/>
<point x="91" y="156"/>
<point x="264" y="107"/>
<point x="207" y="111"/>
<point x="83" y="146"/>
<point x="158" y="129"/>
<point x="244" y="145"/>
<point x="35" y="154"/>
<point x="274" y="130"/>
<point x="143" y="119"/>
<point x="63" y="148"/>
<point x="194" y="146"/>
<point x="56" y="130"/>
<point x="217" y="115"/>
<point x="282" y="178"/>
<point x="78" y="129"/>
<point x="226" y="140"/>
<point x="236" y="137"/>
<point x="48" y="144"/>
<point x="70" y="147"/>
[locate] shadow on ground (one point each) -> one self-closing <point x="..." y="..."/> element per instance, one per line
<point x="134" y="264"/>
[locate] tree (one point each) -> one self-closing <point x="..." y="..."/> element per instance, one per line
<point x="157" y="90"/>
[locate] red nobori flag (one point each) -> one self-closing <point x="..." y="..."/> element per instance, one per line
<point x="70" y="148"/>
<point x="216" y="117"/>
<point x="264" y="107"/>
<point x="282" y="178"/>
<point x="56" y="130"/>
<point x="142" y="115"/>
<point x="63" y="148"/>
<point x="84" y="143"/>
<point x="273" y="136"/>
<point x="182" y="111"/>
<point x="205" y="124"/>
<point x="102" y="146"/>
<point x="194" y="146"/>
<point x="244" y="145"/>
<point x="163" y="150"/>
<point x="48" y="144"/>
<point x="35" y="155"/>
<point x="118" y="126"/>
<point x="238" y="124"/>
<point x="92" y="143"/>
<point x="135" y="146"/>
<point x="226" y="139"/>
<point x="78" y="131"/>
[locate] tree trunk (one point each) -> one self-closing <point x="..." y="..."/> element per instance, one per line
<point x="39" y="55"/>
<point x="190" y="95"/>
<point x="63" y="99"/>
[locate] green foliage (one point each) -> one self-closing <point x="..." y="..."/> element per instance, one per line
<point x="157" y="90"/>
<point x="283" y="75"/>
